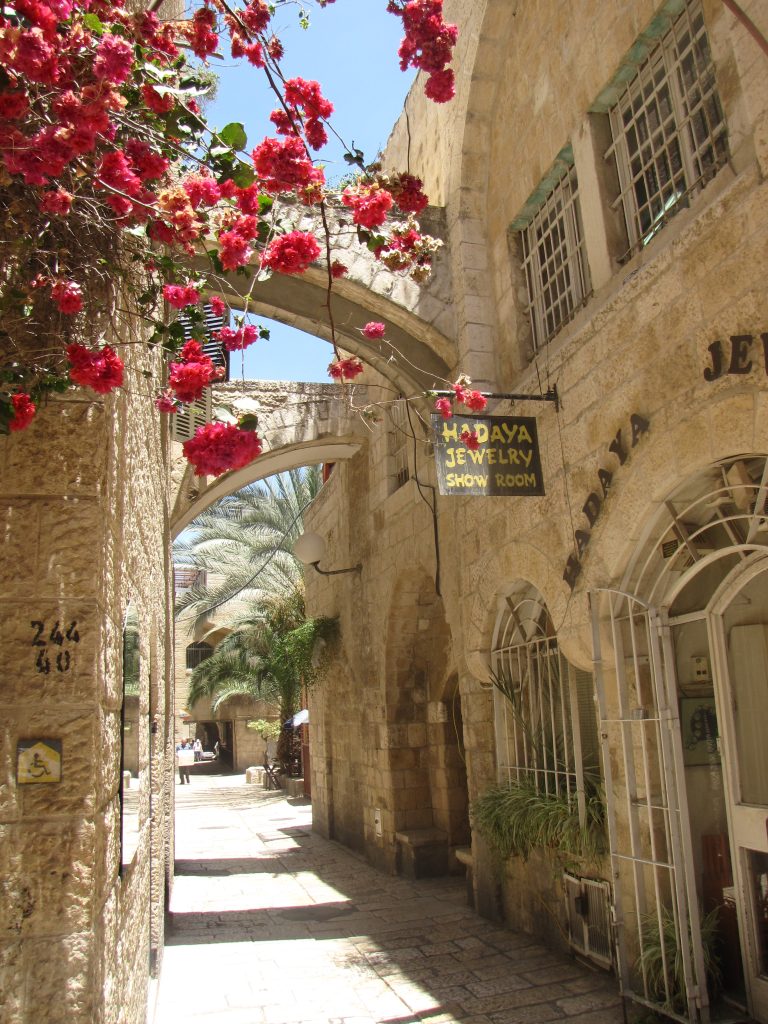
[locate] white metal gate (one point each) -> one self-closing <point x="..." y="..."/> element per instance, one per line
<point x="659" y="952"/>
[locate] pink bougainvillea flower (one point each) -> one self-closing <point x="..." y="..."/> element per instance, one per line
<point x="217" y="304"/>
<point x="166" y="402"/>
<point x="407" y="192"/>
<point x="291" y="253"/>
<point x="114" y="59"/>
<point x="369" y="204"/>
<point x="283" y="164"/>
<point x="218" y="447"/>
<point x="345" y="369"/>
<point x="475" y="401"/>
<point x="68" y="296"/>
<point x="101" y="371"/>
<point x="440" y="86"/>
<point x="338" y="269"/>
<point x="444" y="407"/>
<point x="58" y="202"/>
<point x="374" y="330"/>
<point x="179" y="296"/>
<point x="24" y="410"/>
<point x="195" y="371"/>
<point x="234" y="340"/>
<point x="234" y="250"/>
<point x="470" y="439"/>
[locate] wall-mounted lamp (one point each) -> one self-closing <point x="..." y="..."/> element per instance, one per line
<point x="310" y="549"/>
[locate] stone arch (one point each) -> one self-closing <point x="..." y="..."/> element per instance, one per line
<point x="726" y="426"/>
<point x="501" y="570"/>
<point x="300" y="424"/>
<point x="368" y="291"/>
<point x="429" y="804"/>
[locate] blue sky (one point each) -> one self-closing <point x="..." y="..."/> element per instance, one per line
<point x="351" y="49"/>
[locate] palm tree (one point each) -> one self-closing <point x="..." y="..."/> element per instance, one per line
<point x="269" y="654"/>
<point x="244" y="543"/>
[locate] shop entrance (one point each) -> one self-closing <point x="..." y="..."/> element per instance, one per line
<point x="683" y="689"/>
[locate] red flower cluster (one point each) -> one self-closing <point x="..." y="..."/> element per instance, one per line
<point x="470" y="438"/>
<point x="218" y="447"/>
<point x="217" y="304"/>
<point x="407" y="192"/>
<point x="166" y="402"/>
<point x="374" y="330"/>
<point x="428" y="44"/>
<point x="68" y="296"/>
<point x="179" y="296"/>
<point x="472" y="399"/>
<point x="234" y="340"/>
<point x="283" y="165"/>
<point x="291" y="253"/>
<point x="24" y="410"/>
<point x="345" y="369"/>
<point x="189" y="378"/>
<point x="306" y="107"/>
<point x="101" y="371"/>
<point x="370" y="204"/>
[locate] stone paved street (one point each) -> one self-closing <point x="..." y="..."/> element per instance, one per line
<point x="273" y="925"/>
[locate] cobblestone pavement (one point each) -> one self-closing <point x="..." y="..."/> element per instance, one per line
<point x="271" y="924"/>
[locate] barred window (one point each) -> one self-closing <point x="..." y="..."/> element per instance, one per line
<point x="555" y="260"/>
<point x="668" y="128"/>
<point x="399" y="436"/>
<point x="546" y="727"/>
<point x="198" y="653"/>
<point x="185" y="579"/>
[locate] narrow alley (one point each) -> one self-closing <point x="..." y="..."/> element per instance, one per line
<point x="271" y="924"/>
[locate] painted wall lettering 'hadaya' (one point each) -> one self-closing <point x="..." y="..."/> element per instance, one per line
<point x="594" y="503"/>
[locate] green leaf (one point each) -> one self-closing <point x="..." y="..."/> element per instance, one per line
<point x="265" y="204"/>
<point x="243" y="175"/>
<point x="93" y="24"/>
<point x="234" y="135"/>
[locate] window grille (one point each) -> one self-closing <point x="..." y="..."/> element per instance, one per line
<point x="197" y="653"/>
<point x="588" y="907"/>
<point x="546" y="733"/>
<point x="194" y="415"/>
<point x="668" y="127"/>
<point x="555" y="260"/>
<point x="399" y="436"/>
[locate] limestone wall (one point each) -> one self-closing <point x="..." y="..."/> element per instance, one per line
<point x="85" y="530"/>
<point x="639" y="346"/>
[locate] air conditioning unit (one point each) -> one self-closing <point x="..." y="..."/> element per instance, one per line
<point x="588" y="908"/>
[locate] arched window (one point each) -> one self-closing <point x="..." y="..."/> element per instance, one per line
<point x="545" y="721"/>
<point x="197" y="653"/>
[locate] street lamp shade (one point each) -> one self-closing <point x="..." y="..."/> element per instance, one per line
<point x="309" y="548"/>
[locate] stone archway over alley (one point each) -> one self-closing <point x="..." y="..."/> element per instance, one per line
<point x="272" y="924"/>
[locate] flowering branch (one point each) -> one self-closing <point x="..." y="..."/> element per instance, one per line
<point x="111" y="181"/>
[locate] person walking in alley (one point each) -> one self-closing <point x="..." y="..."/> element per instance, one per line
<point x="185" y="756"/>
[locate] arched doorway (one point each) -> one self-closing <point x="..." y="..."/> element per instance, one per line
<point x="424" y="734"/>
<point x="682" y="678"/>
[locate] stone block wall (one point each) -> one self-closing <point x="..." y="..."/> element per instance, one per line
<point x="639" y="346"/>
<point x="85" y="532"/>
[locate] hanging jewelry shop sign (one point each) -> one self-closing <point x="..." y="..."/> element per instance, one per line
<point x="497" y="455"/>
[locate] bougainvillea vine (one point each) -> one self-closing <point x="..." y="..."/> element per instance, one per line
<point x="112" y="182"/>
